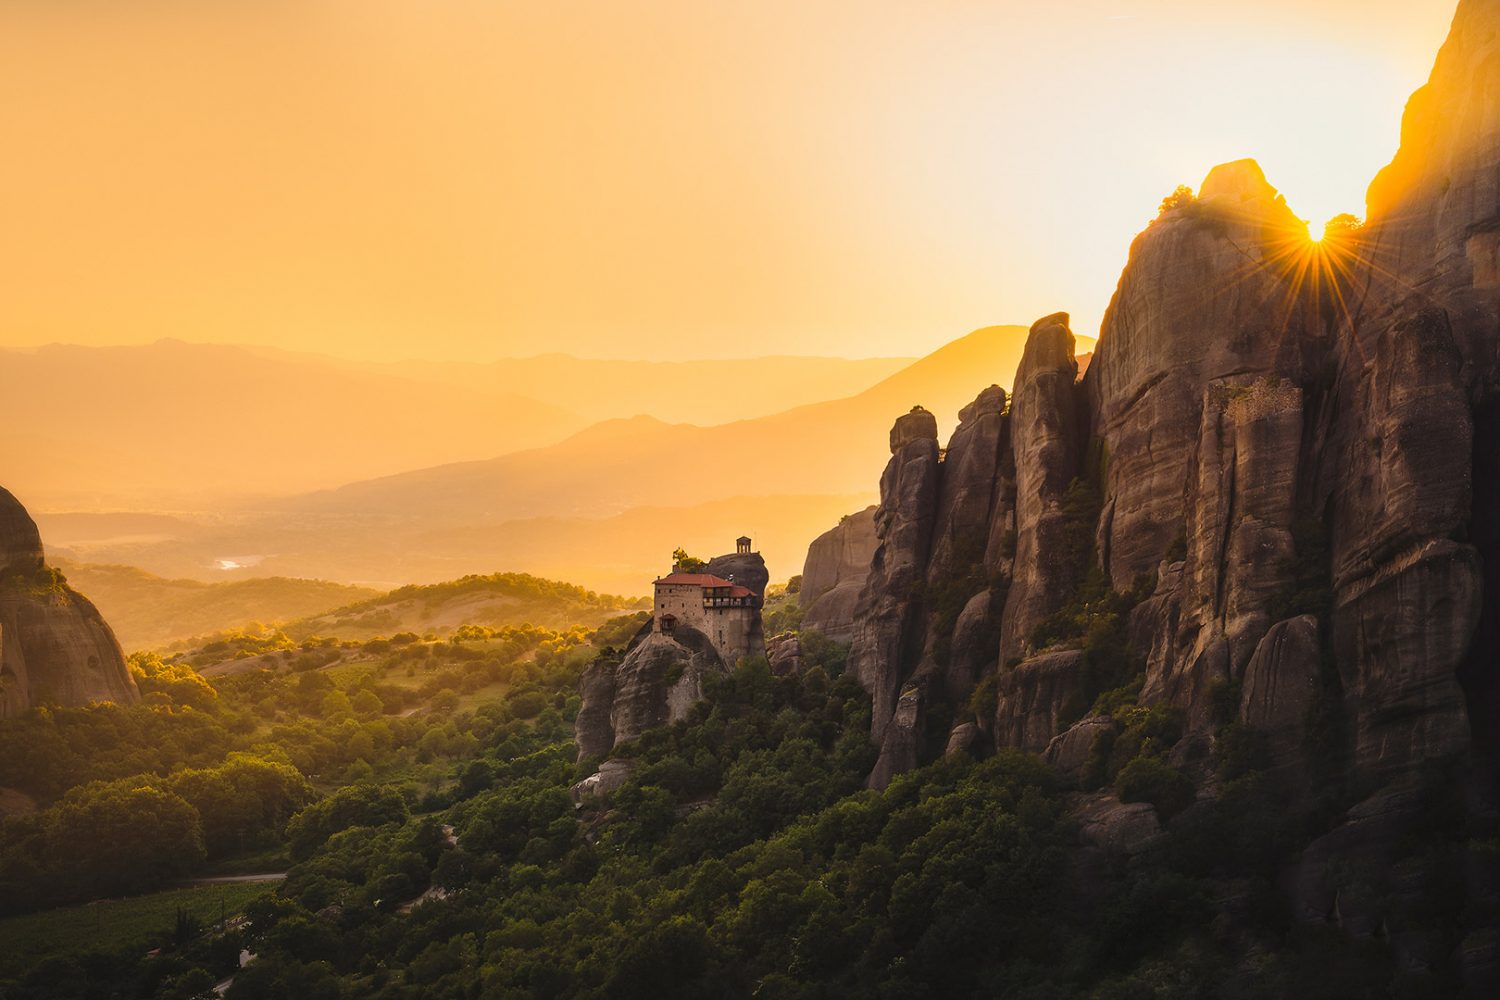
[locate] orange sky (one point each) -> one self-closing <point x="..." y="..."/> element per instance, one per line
<point x="479" y="178"/>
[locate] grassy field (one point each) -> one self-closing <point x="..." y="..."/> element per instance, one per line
<point x="114" y="923"/>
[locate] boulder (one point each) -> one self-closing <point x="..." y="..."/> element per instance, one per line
<point x="1069" y="752"/>
<point x="962" y="739"/>
<point x="1126" y="828"/>
<point x="612" y="774"/>
<point x="784" y="652"/>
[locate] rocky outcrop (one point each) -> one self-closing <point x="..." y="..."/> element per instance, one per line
<point x="1047" y="443"/>
<point x="747" y="569"/>
<point x="20" y="541"/>
<point x="784" y="653"/>
<point x="902" y="742"/>
<point x="886" y="640"/>
<point x="1117" y="827"/>
<point x="837" y="566"/>
<point x="1071" y="750"/>
<point x="657" y="683"/>
<point x="1281" y="682"/>
<point x="1205" y="296"/>
<point x="55" y="647"/>
<point x="966" y="589"/>
<point x="971" y="486"/>
<point x="662" y="674"/>
<point x="1273" y="496"/>
<point x="610" y="777"/>
<point x="1238" y="540"/>
<point x="593" y="730"/>
<point x="1033" y="697"/>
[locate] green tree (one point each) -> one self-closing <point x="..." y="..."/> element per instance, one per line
<point x="108" y="838"/>
<point x="352" y="806"/>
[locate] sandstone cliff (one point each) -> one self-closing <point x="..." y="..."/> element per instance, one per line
<point x="838" y="562"/>
<point x="54" y="645"/>
<point x="1266" y="516"/>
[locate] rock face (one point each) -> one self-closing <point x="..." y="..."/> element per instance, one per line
<point x="1047" y="446"/>
<point x="1281" y="468"/>
<point x="1032" y="699"/>
<point x="657" y="684"/>
<point x="55" y="647"/>
<point x="1204" y="297"/>
<point x="1283" y="678"/>
<point x="20" y="541"/>
<point x="838" y="563"/>
<point x="887" y="638"/>
<point x="958" y="532"/>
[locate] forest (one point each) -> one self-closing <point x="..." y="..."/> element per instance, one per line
<point x="421" y="801"/>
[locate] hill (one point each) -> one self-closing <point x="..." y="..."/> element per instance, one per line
<point x="496" y="600"/>
<point x="148" y="611"/>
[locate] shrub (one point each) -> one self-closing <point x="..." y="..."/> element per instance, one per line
<point x="1181" y="197"/>
<point x="1149" y="779"/>
<point x="1240" y="750"/>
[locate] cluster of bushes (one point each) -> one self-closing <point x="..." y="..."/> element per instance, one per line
<point x="137" y="833"/>
<point x="45" y="582"/>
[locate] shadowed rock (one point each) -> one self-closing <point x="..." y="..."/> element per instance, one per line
<point x="55" y="647"/>
<point x="1047" y="440"/>
<point x="886" y="640"/>
<point x="837" y="566"/>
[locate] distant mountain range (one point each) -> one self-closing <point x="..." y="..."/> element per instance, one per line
<point x="173" y="425"/>
<point x="602" y="507"/>
<point x="823" y="448"/>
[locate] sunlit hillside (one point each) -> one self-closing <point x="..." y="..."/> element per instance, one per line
<point x="148" y="611"/>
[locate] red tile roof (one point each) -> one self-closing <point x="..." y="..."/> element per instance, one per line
<point x="694" y="580"/>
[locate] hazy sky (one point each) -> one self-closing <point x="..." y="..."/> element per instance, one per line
<point x="640" y="178"/>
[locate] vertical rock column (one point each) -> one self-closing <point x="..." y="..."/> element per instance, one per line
<point x="882" y="654"/>
<point x="1047" y="442"/>
<point x="964" y="593"/>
